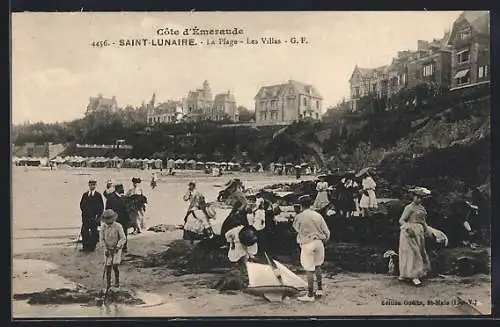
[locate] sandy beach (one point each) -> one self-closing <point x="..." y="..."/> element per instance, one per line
<point x="46" y="220"/>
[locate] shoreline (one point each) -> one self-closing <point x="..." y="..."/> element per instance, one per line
<point x="192" y="295"/>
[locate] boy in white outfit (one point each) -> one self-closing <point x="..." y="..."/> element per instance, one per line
<point x="312" y="233"/>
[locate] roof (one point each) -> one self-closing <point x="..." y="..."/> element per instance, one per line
<point x="225" y="97"/>
<point x="100" y="101"/>
<point x="281" y="89"/>
<point x="370" y="72"/>
<point x="166" y="107"/>
<point x="478" y="20"/>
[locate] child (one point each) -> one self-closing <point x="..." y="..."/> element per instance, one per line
<point x="113" y="238"/>
<point x="153" y="180"/>
<point x="242" y="243"/>
<point x="312" y="233"/>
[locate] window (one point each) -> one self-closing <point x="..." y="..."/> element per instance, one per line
<point x="464" y="34"/>
<point x="305" y="101"/>
<point x="374" y="87"/>
<point x="428" y="70"/>
<point x="356" y="91"/>
<point x="483" y="71"/>
<point x="463" y="56"/>
<point x="317" y="104"/>
<point x="463" y="80"/>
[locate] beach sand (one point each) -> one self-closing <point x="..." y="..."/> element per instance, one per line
<point x="46" y="220"/>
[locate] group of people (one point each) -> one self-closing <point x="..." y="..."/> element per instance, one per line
<point x="113" y="212"/>
<point x="349" y="196"/>
<point x="246" y="235"/>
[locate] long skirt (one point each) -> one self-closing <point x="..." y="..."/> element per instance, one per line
<point x="368" y="201"/>
<point x="321" y="200"/>
<point x="414" y="261"/>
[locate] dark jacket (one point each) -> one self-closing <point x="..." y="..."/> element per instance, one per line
<point x="91" y="207"/>
<point x="116" y="203"/>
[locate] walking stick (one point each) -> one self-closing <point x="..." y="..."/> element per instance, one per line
<point x="77" y="239"/>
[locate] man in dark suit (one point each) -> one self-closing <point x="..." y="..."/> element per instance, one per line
<point x="115" y="202"/>
<point x="92" y="207"/>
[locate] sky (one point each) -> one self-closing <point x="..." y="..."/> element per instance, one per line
<point x="55" y="70"/>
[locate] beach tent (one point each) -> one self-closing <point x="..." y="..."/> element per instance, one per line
<point x="170" y="164"/>
<point x="179" y="164"/>
<point x="263" y="281"/>
<point x="191" y="163"/>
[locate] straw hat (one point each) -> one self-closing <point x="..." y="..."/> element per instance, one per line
<point x="109" y="215"/>
<point x="421" y="191"/>
<point x="92" y="180"/>
<point x="109" y="182"/>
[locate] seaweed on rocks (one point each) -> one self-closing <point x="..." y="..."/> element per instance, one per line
<point x="188" y="258"/>
<point x="79" y="295"/>
<point x="162" y="228"/>
<point x="462" y="261"/>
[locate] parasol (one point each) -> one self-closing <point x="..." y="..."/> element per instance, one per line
<point x="363" y="171"/>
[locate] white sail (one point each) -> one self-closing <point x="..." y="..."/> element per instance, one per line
<point x="289" y="278"/>
<point x="263" y="275"/>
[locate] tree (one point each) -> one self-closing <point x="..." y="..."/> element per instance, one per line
<point x="245" y="115"/>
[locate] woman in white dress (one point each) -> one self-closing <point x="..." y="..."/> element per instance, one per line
<point x="368" y="198"/>
<point x="322" y="201"/>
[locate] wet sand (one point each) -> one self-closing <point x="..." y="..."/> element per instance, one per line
<point x="46" y="220"/>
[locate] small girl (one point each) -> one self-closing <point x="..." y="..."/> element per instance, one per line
<point x="113" y="238"/>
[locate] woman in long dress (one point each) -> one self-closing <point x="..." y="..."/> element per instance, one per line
<point x="414" y="262"/>
<point x="138" y="215"/>
<point x="322" y="201"/>
<point x="368" y="198"/>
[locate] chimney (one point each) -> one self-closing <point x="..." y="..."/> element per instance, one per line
<point x="422" y="45"/>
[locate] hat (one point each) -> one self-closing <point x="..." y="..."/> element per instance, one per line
<point x="192" y="183"/>
<point x="136" y="180"/>
<point x="92" y="181"/>
<point x="109" y="181"/>
<point x="420" y="191"/>
<point x="119" y="189"/>
<point x="248" y="236"/>
<point x="109" y="215"/>
<point x="305" y="200"/>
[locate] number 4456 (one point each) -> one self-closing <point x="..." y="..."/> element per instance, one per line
<point x="100" y="44"/>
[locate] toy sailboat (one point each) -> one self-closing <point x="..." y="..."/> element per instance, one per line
<point x="273" y="281"/>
